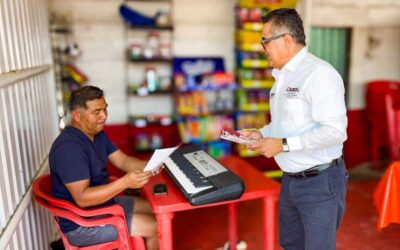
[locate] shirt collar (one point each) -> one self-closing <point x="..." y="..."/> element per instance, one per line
<point x="293" y="63"/>
<point x="78" y="133"/>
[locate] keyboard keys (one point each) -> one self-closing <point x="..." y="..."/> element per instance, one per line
<point x="188" y="176"/>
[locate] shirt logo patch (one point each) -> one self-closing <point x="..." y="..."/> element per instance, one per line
<point x="292" y="92"/>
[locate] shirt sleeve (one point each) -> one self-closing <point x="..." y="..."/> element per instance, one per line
<point x="265" y="131"/>
<point x="110" y="147"/>
<point x="325" y="93"/>
<point x="71" y="162"/>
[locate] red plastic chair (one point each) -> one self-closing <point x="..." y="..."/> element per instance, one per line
<point x="376" y="92"/>
<point x="393" y="127"/>
<point x="64" y="209"/>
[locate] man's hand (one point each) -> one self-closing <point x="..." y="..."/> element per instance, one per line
<point x="136" y="179"/>
<point x="157" y="170"/>
<point x="251" y="134"/>
<point x="268" y="147"/>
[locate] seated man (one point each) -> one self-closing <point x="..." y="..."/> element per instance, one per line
<point x="78" y="167"/>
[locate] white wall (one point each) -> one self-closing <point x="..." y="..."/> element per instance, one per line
<point x="206" y="28"/>
<point x="375" y="40"/>
<point x="99" y="31"/>
<point x="375" y="56"/>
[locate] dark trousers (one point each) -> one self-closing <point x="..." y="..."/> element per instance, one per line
<point x="311" y="209"/>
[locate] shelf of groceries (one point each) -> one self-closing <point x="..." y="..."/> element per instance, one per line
<point x="206" y="97"/>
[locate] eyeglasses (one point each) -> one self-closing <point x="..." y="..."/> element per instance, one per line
<point x="265" y="41"/>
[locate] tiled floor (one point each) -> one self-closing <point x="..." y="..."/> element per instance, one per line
<point x="358" y="228"/>
<point x="206" y="228"/>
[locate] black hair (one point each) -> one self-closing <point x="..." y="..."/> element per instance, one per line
<point x="289" y="19"/>
<point x="81" y="96"/>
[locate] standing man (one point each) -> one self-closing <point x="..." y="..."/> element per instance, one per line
<point x="78" y="167"/>
<point x="305" y="136"/>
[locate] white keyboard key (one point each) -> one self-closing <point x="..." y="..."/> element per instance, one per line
<point x="182" y="179"/>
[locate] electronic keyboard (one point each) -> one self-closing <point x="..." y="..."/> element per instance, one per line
<point x="201" y="178"/>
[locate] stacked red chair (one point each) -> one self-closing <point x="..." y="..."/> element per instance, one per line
<point x="393" y="128"/>
<point x="376" y="113"/>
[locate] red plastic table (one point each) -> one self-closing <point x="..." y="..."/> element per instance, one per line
<point x="257" y="186"/>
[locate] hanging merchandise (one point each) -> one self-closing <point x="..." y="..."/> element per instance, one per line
<point x="75" y="74"/>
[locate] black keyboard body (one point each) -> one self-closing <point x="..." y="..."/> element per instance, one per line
<point x="225" y="185"/>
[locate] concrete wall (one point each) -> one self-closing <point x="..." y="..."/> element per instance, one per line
<point x="206" y="28"/>
<point x="375" y="41"/>
<point x="375" y="55"/>
<point x="99" y="31"/>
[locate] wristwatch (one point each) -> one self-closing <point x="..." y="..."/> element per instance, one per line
<point x="285" y="145"/>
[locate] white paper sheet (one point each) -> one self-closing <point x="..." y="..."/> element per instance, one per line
<point x="158" y="158"/>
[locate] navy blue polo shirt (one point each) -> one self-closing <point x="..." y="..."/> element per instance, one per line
<point x="73" y="157"/>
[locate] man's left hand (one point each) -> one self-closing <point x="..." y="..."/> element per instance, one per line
<point x="268" y="146"/>
<point x="157" y="170"/>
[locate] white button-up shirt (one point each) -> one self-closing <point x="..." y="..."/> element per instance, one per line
<point x="308" y="108"/>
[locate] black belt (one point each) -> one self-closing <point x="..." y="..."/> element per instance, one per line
<point x="314" y="171"/>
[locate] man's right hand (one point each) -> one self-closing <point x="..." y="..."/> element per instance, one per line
<point x="137" y="179"/>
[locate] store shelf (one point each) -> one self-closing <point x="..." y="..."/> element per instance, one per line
<point x="150" y="27"/>
<point x="150" y="121"/>
<point x="146" y="1"/>
<point x="247" y="153"/>
<point x="254" y="107"/>
<point x="61" y="30"/>
<point x="254" y="84"/>
<point x="150" y="60"/>
<point x="273" y="173"/>
<point x="254" y="63"/>
<point x="252" y="26"/>
<point x="250" y="47"/>
<point x="213" y="113"/>
<point x="208" y="88"/>
<point x="157" y="92"/>
<point x="253" y="71"/>
<point x="144" y="140"/>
